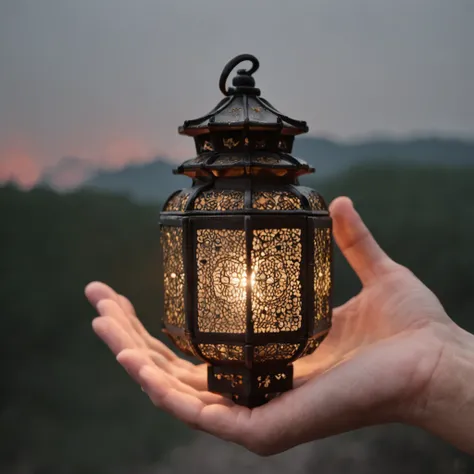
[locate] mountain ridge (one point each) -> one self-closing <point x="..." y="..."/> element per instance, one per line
<point x="153" y="181"/>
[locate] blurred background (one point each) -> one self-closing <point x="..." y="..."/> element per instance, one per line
<point x="91" y="94"/>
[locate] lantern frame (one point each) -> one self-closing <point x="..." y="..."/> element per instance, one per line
<point x="250" y="381"/>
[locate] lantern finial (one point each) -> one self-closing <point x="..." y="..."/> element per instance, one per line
<point x="243" y="82"/>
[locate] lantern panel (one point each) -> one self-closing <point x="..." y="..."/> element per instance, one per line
<point x="172" y="245"/>
<point x="232" y="159"/>
<point x="322" y="274"/>
<point x="183" y="344"/>
<point x="227" y="381"/>
<point x="219" y="200"/>
<point x="251" y="387"/>
<point x="275" y="200"/>
<point x="312" y="344"/>
<point x="222" y="352"/>
<point x="221" y="280"/>
<point x="276" y="284"/>
<point x="178" y="201"/>
<point x="274" y="351"/>
<point x="316" y="202"/>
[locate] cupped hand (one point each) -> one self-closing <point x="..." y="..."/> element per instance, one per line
<point x="376" y="365"/>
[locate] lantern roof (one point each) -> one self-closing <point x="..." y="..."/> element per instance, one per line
<point x="244" y="133"/>
<point x="243" y="108"/>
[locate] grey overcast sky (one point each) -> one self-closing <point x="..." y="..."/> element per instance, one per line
<point x="110" y="80"/>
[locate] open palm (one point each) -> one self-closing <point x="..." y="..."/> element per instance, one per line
<point x="373" y="367"/>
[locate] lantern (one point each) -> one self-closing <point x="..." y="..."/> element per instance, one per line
<point x="247" y="251"/>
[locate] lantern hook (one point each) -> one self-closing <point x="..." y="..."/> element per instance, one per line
<point x="243" y="82"/>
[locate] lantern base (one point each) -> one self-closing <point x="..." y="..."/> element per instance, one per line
<point x="250" y="387"/>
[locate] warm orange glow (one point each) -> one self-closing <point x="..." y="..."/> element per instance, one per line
<point x="24" y="162"/>
<point x="18" y="165"/>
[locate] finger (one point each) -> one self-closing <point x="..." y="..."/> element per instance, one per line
<point x="129" y="311"/>
<point x="135" y="323"/>
<point x="128" y="325"/>
<point x="225" y="420"/>
<point x="356" y="242"/>
<point x="193" y="375"/>
<point x="127" y="306"/>
<point x="134" y="360"/>
<point x="151" y="342"/>
<point x="185" y="406"/>
<point x="96" y="292"/>
<point x="161" y="348"/>
<point x="112" y="334"/>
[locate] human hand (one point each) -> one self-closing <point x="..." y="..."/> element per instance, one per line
<point x="382" y="361"/>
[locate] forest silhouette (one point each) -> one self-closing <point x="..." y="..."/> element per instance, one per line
<point x="67" y="407"/>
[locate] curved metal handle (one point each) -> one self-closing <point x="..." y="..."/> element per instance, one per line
<point x="230" y="66"/>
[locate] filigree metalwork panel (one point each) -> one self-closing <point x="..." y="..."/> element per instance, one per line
<point x="221" y="352"/>
<point x="265" y="381"/>
<point x="316" y="202"/>
<point x="230" y="142"/>
<point x="172" y="245"/>
<point x="222" y="200"/>
<point x="178" y="202"/>
<point x="275" y="200"/>
<point x="234" y="379"/>
<point x="207" y="146"/>
<point x="274" y="351"/>
<point x="184" y="345"/>
<point x="257" y="113"/>
<point x="322" y="273"/>
<point x="221" y="285"/>
<point x="276" y="286"/>
<point x="312" y="344"/>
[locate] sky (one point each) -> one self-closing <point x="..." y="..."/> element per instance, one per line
<point x="109" y="81"/>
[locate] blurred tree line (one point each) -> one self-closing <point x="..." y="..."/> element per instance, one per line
<point x="67" y="407"/>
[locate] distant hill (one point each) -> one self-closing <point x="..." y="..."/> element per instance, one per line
<point x="329" y="156"/>
<point x="154" y="181"/>
<point x="148" y="182"/>
<point x="68" y="173"/>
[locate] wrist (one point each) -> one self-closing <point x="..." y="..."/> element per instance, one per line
<point x="446" y="406"/>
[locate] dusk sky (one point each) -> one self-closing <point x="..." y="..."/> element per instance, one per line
<point x="110" y="80"/>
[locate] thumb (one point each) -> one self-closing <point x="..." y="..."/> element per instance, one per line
<point x="356" y="242"/>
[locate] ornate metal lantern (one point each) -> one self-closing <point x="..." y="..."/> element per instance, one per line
<point x="247" y="251"/>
